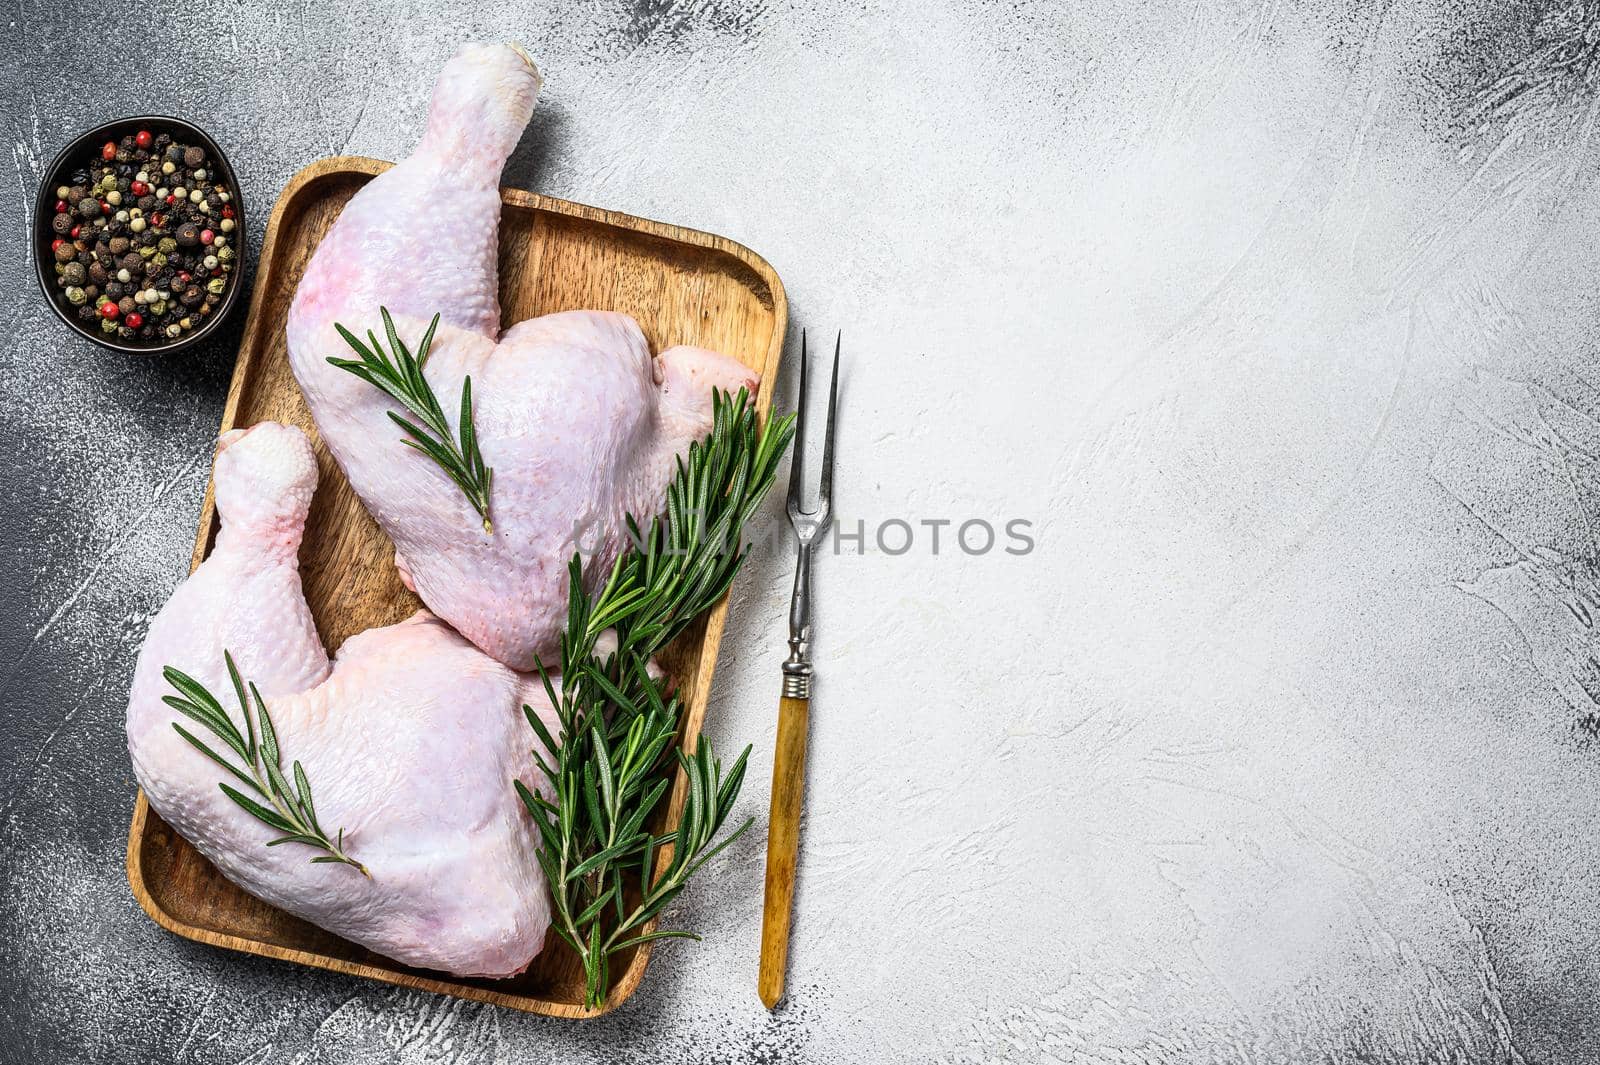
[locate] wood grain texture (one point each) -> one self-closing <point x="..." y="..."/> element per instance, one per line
<point x="684" y="287"/>
<point x="783" y="844"/>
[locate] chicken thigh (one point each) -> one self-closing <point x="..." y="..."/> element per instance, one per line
<point x="580" y="424"/>
<point x="411" y="738"/>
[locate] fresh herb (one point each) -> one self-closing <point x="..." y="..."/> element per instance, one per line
<point x="399" y="376"/>
<point x="613" y="760"/>
<point x="291" y="811"/>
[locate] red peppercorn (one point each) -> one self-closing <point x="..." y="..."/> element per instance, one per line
<point x="109" y="309"/>
<point x="75" y="230"/>
<point x="171" y="199"/>
<point x="61" y="207"/>
<point x="227" y="210"/>
<point x="206" y="236"/>
<point x="105" y="208"/>
<point x="134" y="320"/>
<point x="139" y="188"/>
<point x="54" y="244"/>
<point x="109" y="151"/>
<point x="143" y="138"/>
<point x="183" y="275"/>
<point x="157" y="218"/>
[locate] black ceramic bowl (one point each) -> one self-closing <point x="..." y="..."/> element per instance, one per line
<point x="85" y="150"/>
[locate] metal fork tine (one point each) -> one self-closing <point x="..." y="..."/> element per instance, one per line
<point x="827" y="439"/>
<point x="797" y="454"/>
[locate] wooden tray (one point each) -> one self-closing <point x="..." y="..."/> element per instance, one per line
<point x="684" y="287"/>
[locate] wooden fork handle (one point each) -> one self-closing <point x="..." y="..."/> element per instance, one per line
<point x="783" y="842"/>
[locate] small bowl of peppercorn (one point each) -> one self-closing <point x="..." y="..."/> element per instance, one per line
<point x="139" y="235"/>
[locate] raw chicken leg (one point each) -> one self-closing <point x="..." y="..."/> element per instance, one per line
<point x="410" y="740"/>
<point x="578" y="422"/>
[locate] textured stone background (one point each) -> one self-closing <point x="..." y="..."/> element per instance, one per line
<point x="1276" y="319"/>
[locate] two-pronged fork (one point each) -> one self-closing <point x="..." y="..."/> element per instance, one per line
<point x="794" y="708"/>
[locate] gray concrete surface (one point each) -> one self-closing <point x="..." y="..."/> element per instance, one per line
<point x="1275" y="319"/>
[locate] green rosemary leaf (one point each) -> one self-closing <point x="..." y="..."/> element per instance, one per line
<point x="238" y="691"/>
<point x="539" y="727"/>
<point x="591" y="796"/>
<point x="205" y="704"/>
<point x="286" y="809"/>
<point x="213" y="755"/>
<point x="302" y="790"/>
<point x="649" y="937"/>
<point x="602" y="764"/>
<point x="647" y="858"/>
<point x="268" y="817"/>
<point x="719" y="848"/>
<point x="730" y="788"/>
<point x="631" y="826"/>
<point x="360" y="348"/>
<point x="611" y="691"/>
<point x="218" y="725"/>
<point x="594" y="908"/>
<point x="398" y="374"/>
<point x="610" y="765"/>
<point x="426" y="346"/>
<point x="269" y="735"/>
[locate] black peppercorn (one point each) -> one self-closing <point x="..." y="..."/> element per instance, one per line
<point x="74" y="273"/>
<point x="89" y="207"/>
<point x="191" y="295"/>
<point x="114" y="289"/>
<point x="62" y="224"/>
<point x="188" y="234"/>
<point x="98" y="274"/>
<point x="64" y="253"/>
<point x="193" y="157"/>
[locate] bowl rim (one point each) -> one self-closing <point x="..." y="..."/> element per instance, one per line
<point x="41" y="235"/>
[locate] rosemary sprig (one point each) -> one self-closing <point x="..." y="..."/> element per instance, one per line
<point x="291" y="811"/>
<point x="399" y="376"/>
<point x="613" y="760"/>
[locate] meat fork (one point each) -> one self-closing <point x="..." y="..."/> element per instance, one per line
<point x="794" y="708"/>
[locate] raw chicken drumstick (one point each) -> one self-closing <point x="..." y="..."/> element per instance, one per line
<point x="576" y="419"/>
<point x="410" y="739"/>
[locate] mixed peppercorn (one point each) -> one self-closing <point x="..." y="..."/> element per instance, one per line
<point x="144" y="239"/>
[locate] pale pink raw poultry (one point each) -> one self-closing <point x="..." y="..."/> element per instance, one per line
<point x="411" y="739"/>
<point x="579" y="423"/>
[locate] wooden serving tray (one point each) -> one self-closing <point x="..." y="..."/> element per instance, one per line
<point x="684" y="287"/>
